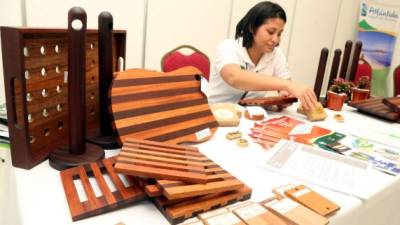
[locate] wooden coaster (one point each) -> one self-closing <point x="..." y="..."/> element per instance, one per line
<point x="157" y="160"/>
<point x="242" y="142"/>
<point x="225" y="114"/>
<point x="167" y="107"/>
<point x="233" y="135"/>
<point x="109" y="200"/>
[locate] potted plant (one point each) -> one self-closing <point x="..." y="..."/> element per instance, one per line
<point x="338" y="93"/>
<point x="362" y="88"/>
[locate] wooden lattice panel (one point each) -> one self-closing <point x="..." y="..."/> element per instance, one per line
<point x="35" y="73"/>
<point x="162" y="161"/>
<point x="167" y="107"/>
<point x="375" y="107"/>
<point x="109" y="200"/>
<point x="177" y="212"/>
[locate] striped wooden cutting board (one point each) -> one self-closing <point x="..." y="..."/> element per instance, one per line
<point x="166" y="107"/>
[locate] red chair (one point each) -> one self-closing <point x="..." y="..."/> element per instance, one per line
<point x="175" y="59"/>
<point x="363" y="69"/>
<point x="396" y="76"/>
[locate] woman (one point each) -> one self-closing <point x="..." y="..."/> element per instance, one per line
<point x="252" y="64"/>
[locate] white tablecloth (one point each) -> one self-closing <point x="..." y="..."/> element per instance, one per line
<point x="41" y="199"/>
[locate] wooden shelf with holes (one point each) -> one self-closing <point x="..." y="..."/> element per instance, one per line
<point x="35" y="74"/>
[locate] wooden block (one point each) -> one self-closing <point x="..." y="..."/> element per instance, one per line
<point x="256" y="214"/>
<point x="162" y="161"/>
<point x="36" y="89"/>
<point x="254" y="113"/>
<point x="318" y="113"/>
<point x="312" y="200"/>
<point x="157" y="106"/>
<point x="225" y="114"/>
<point x="109" y="200"/>
<point x="188" y="208"/>
<point x="224" y="219"/>
<point x="375" y="107"/>
<point x="192" y="221"/>
<point x="393" y="103"/>
<point x="296" y="213"/>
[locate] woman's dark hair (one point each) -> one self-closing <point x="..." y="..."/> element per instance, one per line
<point x="255" y="17"/>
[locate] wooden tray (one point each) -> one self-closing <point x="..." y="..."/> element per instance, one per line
<point x="166" y="107"/>
<point x="376" y="108"/>
<point x="109" y="200"/>
<point x="157" y="160"/>
<point x="267" y="101"/>
<point x="177" y="212"/>
<point x="393" y="104"/>
<point x="35" y="61"/>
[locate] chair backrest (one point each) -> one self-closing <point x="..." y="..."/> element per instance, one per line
<point x="363" y="69"/>
<point x="396" y="76"/>
<point x="175" y="59"/>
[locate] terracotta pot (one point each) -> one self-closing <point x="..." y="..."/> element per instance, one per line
<point x="359" y="94"/>
<point x="336" y="101"/>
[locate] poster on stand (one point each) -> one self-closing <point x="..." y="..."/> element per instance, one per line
<point x="377" y="29"/>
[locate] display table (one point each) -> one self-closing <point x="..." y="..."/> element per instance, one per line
<point x="41" y="198"/>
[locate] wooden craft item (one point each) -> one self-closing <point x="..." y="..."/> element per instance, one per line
<point x="256" y="214"/>
<point x="335" y="66"/>
<point x="228" y="218"/>
<point x="35" y="63"/>
<point x="355" y="60"/>
<point x="233" y="135"/>
<point x="167" y="107"/>
<point x="238" y="205"/>
<point x="178" y="212"/>
<point x="225" y="114"/>
<point x="296" y="213"/>
<point x="255" y="113"/>
<point x="157" y="160"/>
<point x="192" y="221"/>
<point x="393" y="103"/>
<point x="316" y="114"/>
<point x="280" y="191"/>
<point x="267" y="101"/>
<point x="339" y="118"/>
<point x="218" y="180"/>
<point x="109" y="200"/>
<point x="323" y="58"/>
<point x="375" y="107"/>
<point x="78" y="151"/>
<point x="106" y="137"/>
<point x="241" y="142"/>
<point x="212" y="213"/>
<point x="312" y="200"/>
<point x="346" y="58"/>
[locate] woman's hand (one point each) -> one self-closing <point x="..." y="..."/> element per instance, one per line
<point x="306" y="95"/>
<point x="285" y="94"/>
